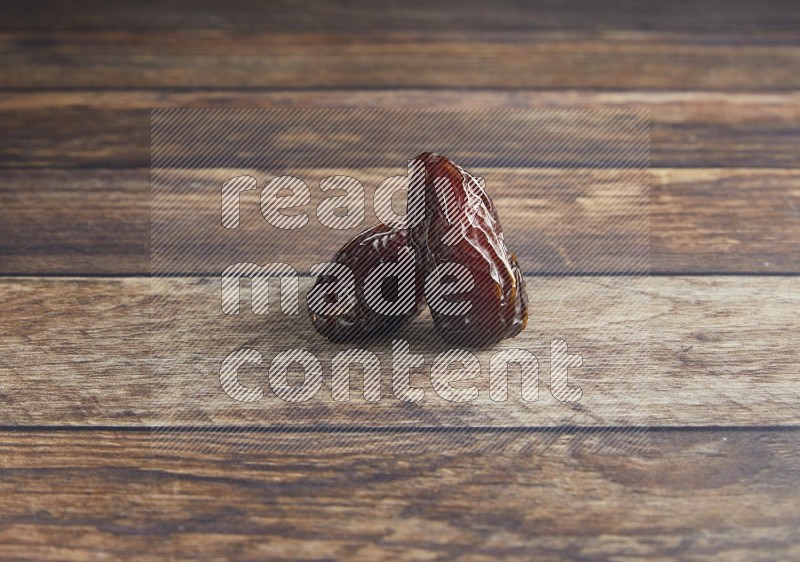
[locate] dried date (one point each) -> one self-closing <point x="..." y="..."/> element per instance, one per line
<point x="363" y="256"/>
<point x="454" y="229"/>
<point x="460" y="225"/>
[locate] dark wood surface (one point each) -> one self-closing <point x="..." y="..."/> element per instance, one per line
<point x="705" y="494"/>
<point x="717" y="340"/>
<point x="80" y="477"/>
<point x="375" y="58"/>
<point x="688" y="129"/>
<point x="58" y="221"/>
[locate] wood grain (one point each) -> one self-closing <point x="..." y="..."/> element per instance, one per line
<point x="693" y="495"/>
<point x="702" y="221"/>
<point x="399" y="59"/>
<point x="320" y="15"/>
<point x="112" y="129"/>
<point x="81" y="366"/>
<point x="722" y="351"/>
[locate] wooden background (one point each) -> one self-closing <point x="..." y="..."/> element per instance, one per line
<point x="78" y="477"/>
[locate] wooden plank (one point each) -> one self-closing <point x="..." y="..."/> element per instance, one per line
<point x="112" y="129"/>
<point x="385" y="137"/>
<point x="88" y="351"/>
<point x="702" y="220"/>
<point x="606" y="210"/>
<point x="694" y="495"/>
<point x="75" y="221"/>
<point x="319" y="15"/>
<point x="689" y="207"/>
<point x="375" y="58"/>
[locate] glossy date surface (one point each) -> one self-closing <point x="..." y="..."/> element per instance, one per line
<point x="377" y="245"/>
<point x="460" y="225"/>
<point x="454" y="229"/>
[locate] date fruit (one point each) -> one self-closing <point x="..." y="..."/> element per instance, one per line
<point x="460" y="225"/>
<point x="363" y="255"/>
<point x="454" y="239"/>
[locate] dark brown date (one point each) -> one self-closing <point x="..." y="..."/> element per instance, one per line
<point x="460" y="225"/>
<point x="373" y="247"/>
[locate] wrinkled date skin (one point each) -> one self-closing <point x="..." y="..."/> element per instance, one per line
<point x="376" y="245"/>
<point x="454" y="224"/>
<point x="460" y="225"/>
